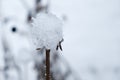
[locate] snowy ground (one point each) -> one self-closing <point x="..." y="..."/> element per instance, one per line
<point x="91" y="37"/>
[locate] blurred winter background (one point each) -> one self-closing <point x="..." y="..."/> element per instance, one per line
<point x="91" y="47"/>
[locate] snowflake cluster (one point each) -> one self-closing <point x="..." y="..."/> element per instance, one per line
<point x="46" y="31"/>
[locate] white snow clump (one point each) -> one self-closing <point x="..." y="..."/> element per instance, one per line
<point x="46" y="31"/>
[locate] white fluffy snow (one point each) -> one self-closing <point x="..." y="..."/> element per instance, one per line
<point x="46" y="31"/>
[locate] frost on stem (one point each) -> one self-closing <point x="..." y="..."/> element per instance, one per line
<point x="46" y="31"/>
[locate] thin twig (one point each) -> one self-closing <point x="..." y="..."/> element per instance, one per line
<point x="47" y="64"/>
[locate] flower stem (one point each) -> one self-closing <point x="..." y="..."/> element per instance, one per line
<point x="47" y="64"/>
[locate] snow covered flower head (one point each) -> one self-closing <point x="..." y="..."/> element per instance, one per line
<point x="46" y="31"/>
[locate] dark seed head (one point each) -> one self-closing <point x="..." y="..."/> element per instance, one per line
<point x="14" y="29"/>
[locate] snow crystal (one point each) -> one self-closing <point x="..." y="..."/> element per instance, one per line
<point x="46" y="31"/>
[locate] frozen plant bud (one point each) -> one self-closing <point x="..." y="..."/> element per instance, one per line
<point x="47" y="31"/>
